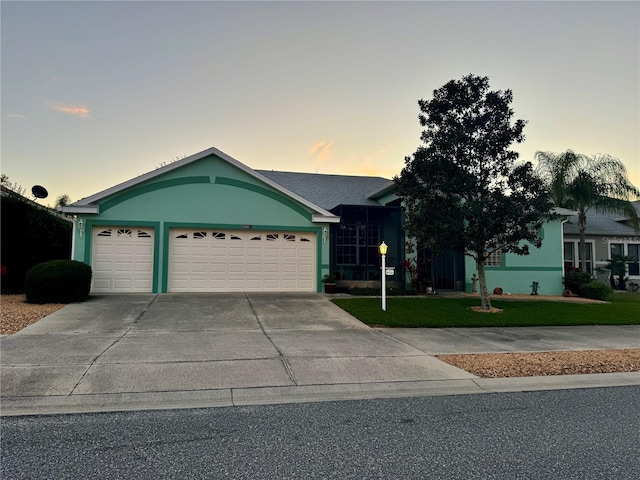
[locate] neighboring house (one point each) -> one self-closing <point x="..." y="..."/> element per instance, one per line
<point x="208" y="223"/>
<point x="606" y="235"/>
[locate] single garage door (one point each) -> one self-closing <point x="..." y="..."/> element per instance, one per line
<point x="122" y="259"/>
<point x="241" y="261"/>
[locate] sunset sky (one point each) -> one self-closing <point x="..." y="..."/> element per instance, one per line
<point x="95" y="93"/>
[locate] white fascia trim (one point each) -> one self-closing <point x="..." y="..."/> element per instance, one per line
<point x="81" y="209"/>
<point x="563" y="211"/>
<point x="325" y="219"/>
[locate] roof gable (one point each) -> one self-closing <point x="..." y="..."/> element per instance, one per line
<point x="92" y="203"/>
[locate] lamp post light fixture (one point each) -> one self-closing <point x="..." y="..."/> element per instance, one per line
<point x="383" y="251"/>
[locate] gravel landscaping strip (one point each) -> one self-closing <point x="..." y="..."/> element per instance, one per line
<point x="16" y="314"/>
<point x="495" y="365"/>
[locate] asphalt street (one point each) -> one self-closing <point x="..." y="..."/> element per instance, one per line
<point x="562" y="434"/>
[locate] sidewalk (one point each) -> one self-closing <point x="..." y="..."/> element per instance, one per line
<point x="182" y="351"/>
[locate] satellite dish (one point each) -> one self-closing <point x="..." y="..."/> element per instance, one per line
<point x="39" y="191"/>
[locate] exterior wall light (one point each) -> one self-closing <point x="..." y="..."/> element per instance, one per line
<point x="81" y="226"/>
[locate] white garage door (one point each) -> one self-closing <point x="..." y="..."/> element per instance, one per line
<point x="241" y="261"/>
<point x="122" y="259"/>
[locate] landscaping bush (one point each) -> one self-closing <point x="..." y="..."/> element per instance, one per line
<point x="575" y="278"/>
<point x="58" y="281"/>
<point x="595" y="290"/>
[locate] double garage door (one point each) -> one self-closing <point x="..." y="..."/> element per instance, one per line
<point x="202" y="260"/>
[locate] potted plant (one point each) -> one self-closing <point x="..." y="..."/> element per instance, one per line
<point x="329" y="283"/>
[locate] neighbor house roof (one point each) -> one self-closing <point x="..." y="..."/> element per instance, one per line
<point x="329" y="191"/>
<point x="599" y="223"/>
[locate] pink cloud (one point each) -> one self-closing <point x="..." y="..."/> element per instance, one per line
<point x="77" y="110"/>
<point x="321" y="151"/>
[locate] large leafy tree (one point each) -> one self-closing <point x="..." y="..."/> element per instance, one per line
<point x="463" y="186"/>
<point x="583" y="183"/>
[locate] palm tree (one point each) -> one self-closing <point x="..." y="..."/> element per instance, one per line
<point x="62" y="201"/>
<point x="581" y="183"/>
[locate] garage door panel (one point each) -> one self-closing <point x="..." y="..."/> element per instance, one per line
<point x="289" y="268"/>
<point x="218" y="267"/>
<point x="271" y="268"/>
<point x="241" y="261"/>
<point x="254" y="267"/>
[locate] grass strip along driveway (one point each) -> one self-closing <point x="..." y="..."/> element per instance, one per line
<point x="443" y="312"/>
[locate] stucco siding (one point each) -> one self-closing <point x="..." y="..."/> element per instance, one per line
<point x="518" y="272"/>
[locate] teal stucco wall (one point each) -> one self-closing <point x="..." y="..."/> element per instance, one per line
<point x="518" y="272"/>
<point x="207" y="193"/>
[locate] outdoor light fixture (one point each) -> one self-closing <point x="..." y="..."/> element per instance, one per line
<point x="324" y="235"/>
<point x="81" y="226"/>
<point x="383" y="251"/>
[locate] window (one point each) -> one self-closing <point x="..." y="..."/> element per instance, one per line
<point x="572" y="255"/>
<point x="633" y="250"/>
<point x="143" y="234"/>
<point x="616" y="249"/>
<point x="494" y="259"/>
<point x="218" y="235"/>
<point x="569" y="255"/>
<point x="272" y="237"/>
<point x="124" y="232"/>
<point x="199" y="235"/>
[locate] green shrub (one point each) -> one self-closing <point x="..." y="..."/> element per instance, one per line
<point x="58" y="281"/>
<point x="595" y="290"/>
<point x="574" y="279"/>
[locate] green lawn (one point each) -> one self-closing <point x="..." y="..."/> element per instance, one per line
<point x="433" y="311"/>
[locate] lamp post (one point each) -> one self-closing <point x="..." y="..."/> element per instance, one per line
<point x="383" y="251"/>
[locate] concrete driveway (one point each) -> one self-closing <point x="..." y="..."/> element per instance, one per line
<point x="168" y="351"/>
<point x="133" y="348"/>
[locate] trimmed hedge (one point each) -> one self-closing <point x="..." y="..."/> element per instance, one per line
<point x="31" y="234"/>
<point x="595" y="290"/>
<point x="58" y="281"/>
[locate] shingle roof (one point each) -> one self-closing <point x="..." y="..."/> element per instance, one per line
<point x="329" y="191"/>
<point x="602" y="224"/>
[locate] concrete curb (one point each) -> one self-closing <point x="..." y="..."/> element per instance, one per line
<point x="238" y="397"/>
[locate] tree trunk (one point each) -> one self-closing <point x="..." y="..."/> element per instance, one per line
<point x="485" y="303"/>
<point x="582" y="247"/>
